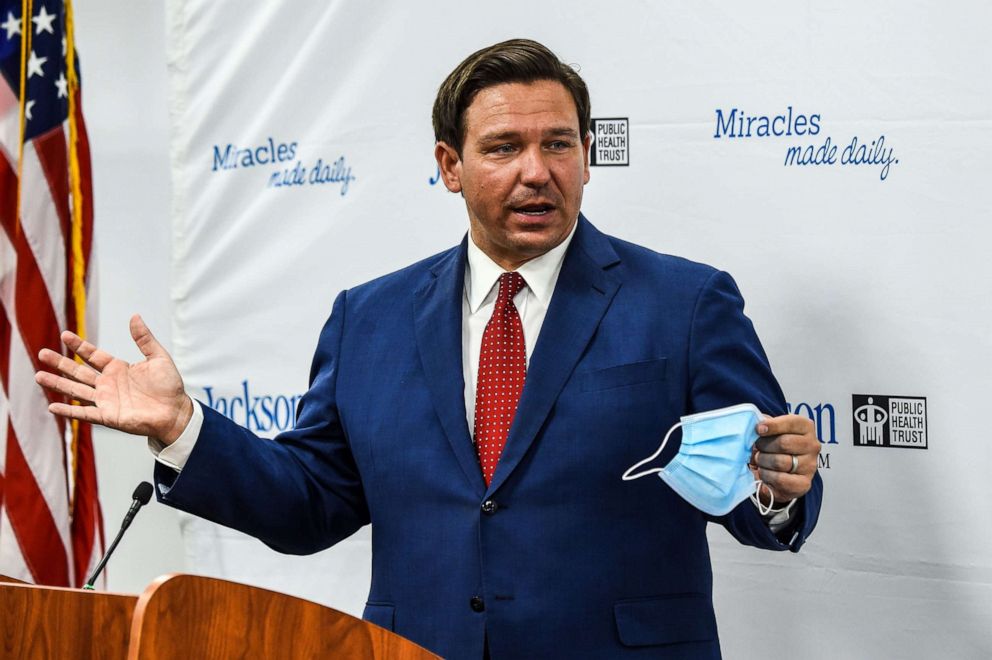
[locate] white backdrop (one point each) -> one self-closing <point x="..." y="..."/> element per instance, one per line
<point x="122" y="56"/>
<point x="858" y="285"/>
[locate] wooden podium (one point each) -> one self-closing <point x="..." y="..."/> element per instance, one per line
<point x="184" y="616"/>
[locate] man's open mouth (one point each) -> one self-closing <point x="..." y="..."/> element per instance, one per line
<point x="534" y="209"/>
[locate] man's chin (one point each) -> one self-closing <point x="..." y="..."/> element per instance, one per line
<point x="530" y="244"/>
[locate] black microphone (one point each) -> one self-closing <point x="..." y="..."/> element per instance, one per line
<point x="140" y="498"/>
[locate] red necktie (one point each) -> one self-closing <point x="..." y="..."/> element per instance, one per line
<point x="502" y="369"/>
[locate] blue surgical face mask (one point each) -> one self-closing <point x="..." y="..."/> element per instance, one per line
<point x="710" y="470"/>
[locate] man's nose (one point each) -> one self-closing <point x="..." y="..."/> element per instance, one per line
<point x="534" y="170"/>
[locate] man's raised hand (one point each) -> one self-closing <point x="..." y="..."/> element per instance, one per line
<point x="143" y="398"/>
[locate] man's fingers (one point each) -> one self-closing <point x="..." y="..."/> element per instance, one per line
<point x="766" y="461"/>
<point x="50" y="358"/>
<point x="65" y="386"/>
<point x="784" y="442"/>
<point x="788" y="444"/>
<point x="144" y="338"/>
<point x="75" y="370"/>
<point x="785" y="486"/>
<point x="93" y="356"/>
<point x="82" y="413"/>
<point x="794" y="424"/>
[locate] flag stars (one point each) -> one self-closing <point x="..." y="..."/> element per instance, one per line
<point x="12" y="25"/>
<point x="34" y="65"/>
<point x="63" y="86"/>
<point x="27" y="109"/>
<point x="43" y="21"/>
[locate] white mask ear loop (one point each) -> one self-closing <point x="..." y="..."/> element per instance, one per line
<point x="627" y="476"/>
<point x="755" y="497"/>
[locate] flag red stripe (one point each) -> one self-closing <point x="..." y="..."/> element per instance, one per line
<point x="29" y="516"/>
<point x="4" y="375"/>
<point x="31" y="519"/>
<point x="87" y="520"/>
<point x="8" y="190"/>
<point x="35" y="318"/>
<point x="51" y="150"/>
<point x="8" y="207"/>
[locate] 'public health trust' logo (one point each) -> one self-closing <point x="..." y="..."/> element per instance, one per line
<point x="889" y="421"/>
<point x="610" y="142"/>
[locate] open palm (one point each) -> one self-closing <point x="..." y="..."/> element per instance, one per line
<point x="144" y="398"/>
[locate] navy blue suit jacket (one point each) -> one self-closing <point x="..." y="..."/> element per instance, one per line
<point x="571" y="562"/>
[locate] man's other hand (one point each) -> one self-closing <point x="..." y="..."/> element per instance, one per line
<point x="785" y="457"/>
<point x="145" y="398"/>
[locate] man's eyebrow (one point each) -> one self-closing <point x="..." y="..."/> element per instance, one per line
<point x="500" y="136"/>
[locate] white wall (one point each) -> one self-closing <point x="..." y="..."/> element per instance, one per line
<point x="872" y="286"/>
<point x="122" y="57"/>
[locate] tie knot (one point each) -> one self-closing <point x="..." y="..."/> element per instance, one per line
<point x="510" y="285"/>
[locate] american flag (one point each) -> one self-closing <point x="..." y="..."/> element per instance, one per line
<point x="51" y="527"/>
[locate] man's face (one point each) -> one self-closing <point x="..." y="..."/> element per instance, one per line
<point x="522" y="169"/>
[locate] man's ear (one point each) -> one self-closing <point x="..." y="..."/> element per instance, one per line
<point x="586" y="142"/>
<point x="450" y="165"/>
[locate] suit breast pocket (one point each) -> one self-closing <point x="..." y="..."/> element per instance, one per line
<point x="622" y="375"/>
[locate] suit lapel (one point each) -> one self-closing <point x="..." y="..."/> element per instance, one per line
<point x="582" y="295"/>
<point x="438" y="322"/>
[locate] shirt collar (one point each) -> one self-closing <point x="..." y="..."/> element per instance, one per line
<point x="540" y="273"/>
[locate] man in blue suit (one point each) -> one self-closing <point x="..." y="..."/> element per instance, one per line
<point x="552" y="353"/>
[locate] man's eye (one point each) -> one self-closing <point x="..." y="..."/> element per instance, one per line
<point x="503" y="149"/>
<point x="560" y="145"/>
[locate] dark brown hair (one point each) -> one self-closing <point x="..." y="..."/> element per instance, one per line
<point x="516" y="60"/>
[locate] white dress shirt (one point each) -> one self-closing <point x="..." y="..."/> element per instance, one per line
<point x="481" y="279"/>
<point x="481" y="288"/>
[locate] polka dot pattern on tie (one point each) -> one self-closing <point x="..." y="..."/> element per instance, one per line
<point x="502" y="370"/>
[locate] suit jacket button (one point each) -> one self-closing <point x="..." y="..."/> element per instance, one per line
<point x="489" y="507"/>
<point x="477" y="604"/>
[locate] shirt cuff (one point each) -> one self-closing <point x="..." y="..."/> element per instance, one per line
<point x="777" y="519"/>
<point x="176" y="454"/>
